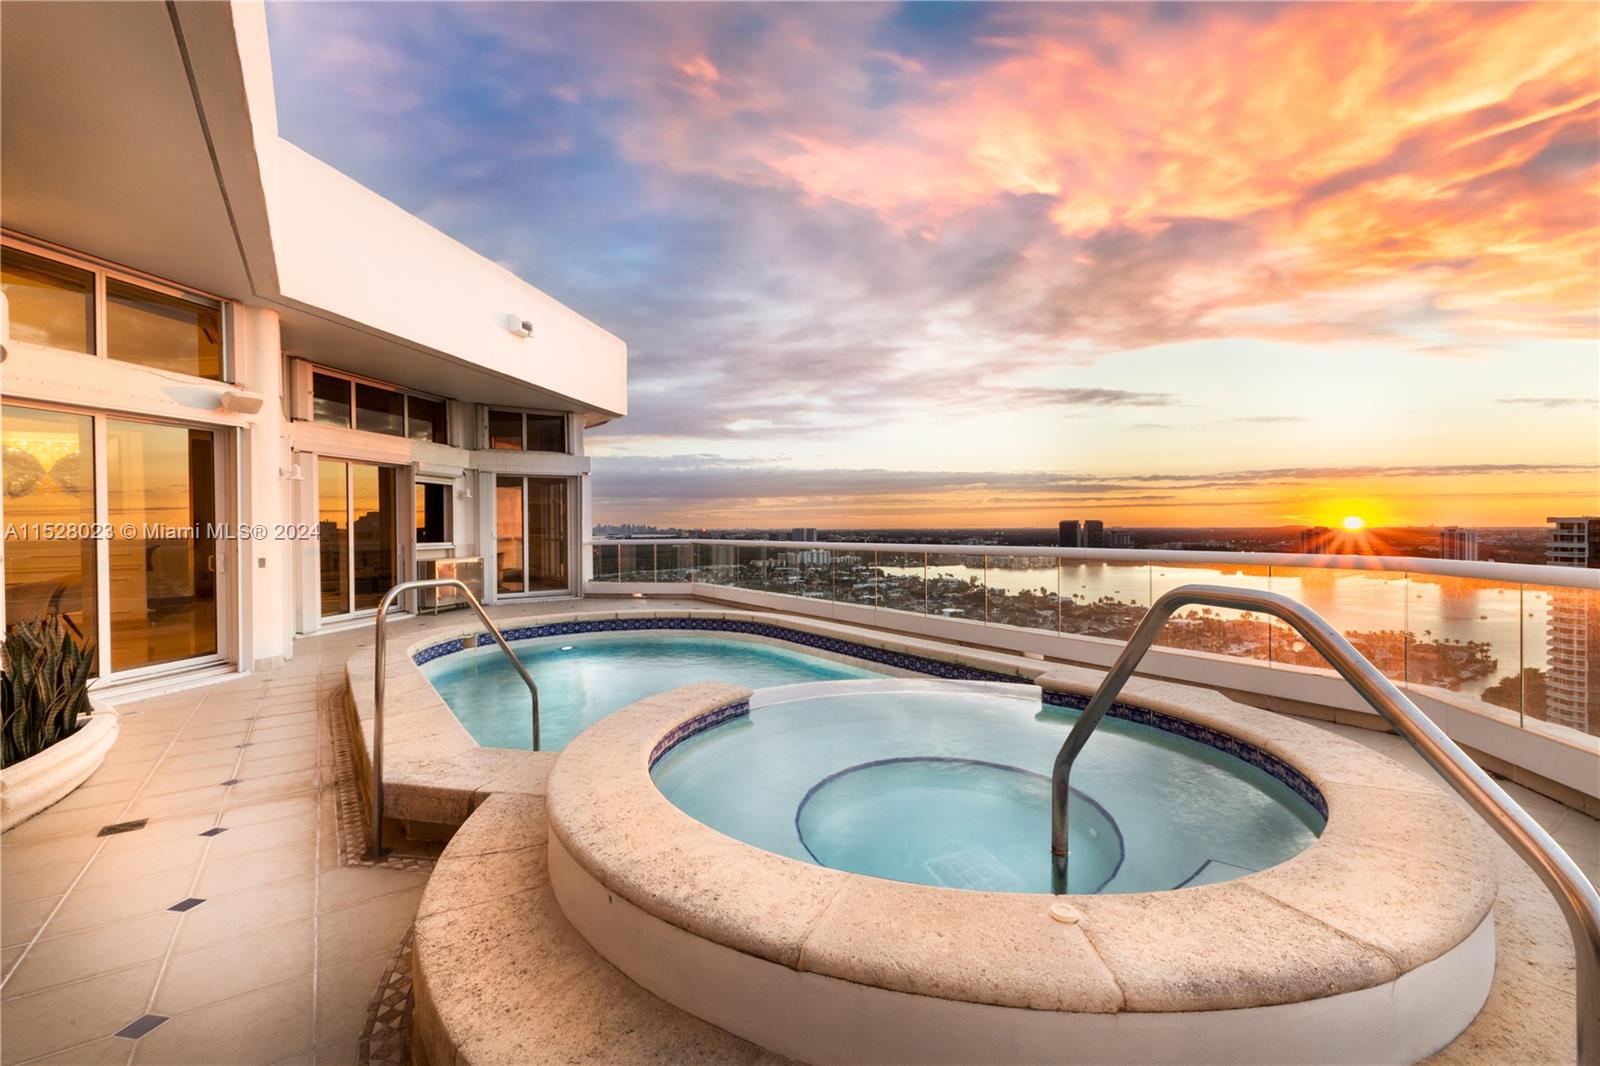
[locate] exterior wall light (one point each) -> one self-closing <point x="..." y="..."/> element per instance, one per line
<point x="241" y="403"/>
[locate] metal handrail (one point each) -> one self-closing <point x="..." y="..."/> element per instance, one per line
<point x="1577" y="897"/>
<point x="378" y="678"/>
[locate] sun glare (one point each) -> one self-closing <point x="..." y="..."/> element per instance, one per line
<point x="1354" y="522"/>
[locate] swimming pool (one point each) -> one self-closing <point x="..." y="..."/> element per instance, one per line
<point x="947" y="783"/>
<point x="583" y="678"/>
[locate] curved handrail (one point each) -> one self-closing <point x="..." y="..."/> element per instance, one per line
<point x="378" y="679"/>
<point x="1577" y="897"/>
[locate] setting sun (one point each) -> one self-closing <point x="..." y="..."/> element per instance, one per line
<point x="1353" y="522"/>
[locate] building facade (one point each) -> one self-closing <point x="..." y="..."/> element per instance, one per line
<point x="1456" y="542"/>
<point x="244" y="395"/>
<point x="1572" y="679"/>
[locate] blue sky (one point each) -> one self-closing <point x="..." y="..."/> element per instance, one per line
<point x="986" y="265"/>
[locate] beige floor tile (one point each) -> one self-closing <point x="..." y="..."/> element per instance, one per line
<point x="235" y="873"/>
<point x="271" y="749"/>
<point x="200" y="760"/>
<point x="234" y="967"/>
<point x="85" y="908"/>
<point x="297" y="829"/>
<point x="189" y="801"/>
<point x="128" y="772"/>
<point x="244" y="810"/>
<point x="348" y="886"/>
<point x="18" y="857"/>
<point x="191" y="745"/>
<point x="107" y="1051"/>
<point x="152" y="856"/>
<point x="259" y="1027"/>
<point x="107" y="795"/>
<point x="343" y="994"/>
<point x="38" y="882"/>
<point x="76" y="1014"/>
<point x="57" y="960"/>
<point x="166" y="781"/>
<point x="161" y="827"/>
<point x="259" y="766"/>
<point x="274" y="786"/>
<point x="20" y="921"/>
<point x="251" y="910"/>
<point x="210" y="723"/>
<point x="52" y="824"/>
<point x="365" y="929"/>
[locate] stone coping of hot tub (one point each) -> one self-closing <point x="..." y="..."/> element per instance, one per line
<point x="1400" y="875"/>
<point x="436" y="774"/>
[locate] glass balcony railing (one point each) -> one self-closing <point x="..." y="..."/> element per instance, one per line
<point x="1520" y="643"/>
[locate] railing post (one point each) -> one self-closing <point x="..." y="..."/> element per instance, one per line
<point x="378" y="679"/>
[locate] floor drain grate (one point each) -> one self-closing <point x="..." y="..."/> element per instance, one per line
<point x="186" y="905"/>
<point x="231" y="781"/>
<point x="121" y="827"/>
<point x="215" y="831"/>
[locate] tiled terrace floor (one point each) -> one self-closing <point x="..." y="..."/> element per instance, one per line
<point x="280" y="961"/>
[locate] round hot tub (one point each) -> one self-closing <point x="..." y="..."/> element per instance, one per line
<point x="947" y="783"/>
<point x="851" y="872"/>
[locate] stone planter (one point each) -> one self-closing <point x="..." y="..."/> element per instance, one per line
<point x="28" y="787"/>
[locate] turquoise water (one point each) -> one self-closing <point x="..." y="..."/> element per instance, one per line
<point x="945" y="784"/>
<point x="582" y="679"/>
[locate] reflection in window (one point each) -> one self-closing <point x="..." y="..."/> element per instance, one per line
<point x="505" y="430"/>
<point x="48" y="473"/>
<point x="380" y="410"/>
<point x="433" y="513"/>
<point x="330" y="400"/>
<point x="547" y="534"/>
<point x="372" y="532"/>
<point x="508" y="534"/>
<point x="161" y="486"/>
<point x="50" y="303"/>
<point x="547" y="433"/>
<point x="333" y="530"/>
<point x="427" y="420"/>
<point x="161" y="331"/>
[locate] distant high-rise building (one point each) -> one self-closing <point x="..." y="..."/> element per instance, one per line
<point x="1318" y="540"/>
<point x="1070" y="534"/>
<point x="1572" y="682"/>
<point x="1094" y="534"/>
<point x="1456" y="542"/>
<point x="1573" y="541"/>
<point x="1117" y="538"/>
<point x="803" y="533"/>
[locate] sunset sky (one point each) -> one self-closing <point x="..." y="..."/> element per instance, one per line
<point x="999" y="265"/>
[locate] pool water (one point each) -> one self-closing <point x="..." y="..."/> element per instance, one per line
<point x="582" y="679"/>
<point x="947" y="783"/>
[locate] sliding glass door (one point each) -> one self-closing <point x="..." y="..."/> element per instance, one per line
<point x="359" y="546"/>
<point x="161" y="497"/>
<point x="532" y="523"/>
<point x="115" y="523"/>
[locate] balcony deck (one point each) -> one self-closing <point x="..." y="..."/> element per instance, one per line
<point x="292" y="954"/>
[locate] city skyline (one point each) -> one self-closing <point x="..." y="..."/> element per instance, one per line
<point x="961" y="266"/>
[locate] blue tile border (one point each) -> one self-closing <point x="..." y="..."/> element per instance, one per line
<point x="1296" y="781"/>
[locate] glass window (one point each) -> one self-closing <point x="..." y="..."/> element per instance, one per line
<point x="161" y="331"/>
<point x="47" y="468"/>
<point x="428" y="420"/>
<point x="380" y="410"/>
<point x="433" y="513"/>
<point x="161" y="486"/>
<point x="330" y="400"/>
<point x="51" y="303"/>
<point x="508" y="519"/>
<point x="547" y="534"/>
<point x="333" y="531"/>
<point x="373" y="533"/>
<point x="547" y="433"/>
<point x="505" y="430"/>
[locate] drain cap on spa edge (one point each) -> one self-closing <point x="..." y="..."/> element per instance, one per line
<point x="1065" y="913"/>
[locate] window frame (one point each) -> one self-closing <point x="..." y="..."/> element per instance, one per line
<point x="102" y="270"/>
<point x="308" y="401"/>
<point x="449" y="488"/>
<point x="523" y="413"/>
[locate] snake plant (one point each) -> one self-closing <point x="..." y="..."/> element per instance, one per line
<point x="46" y="667"/>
